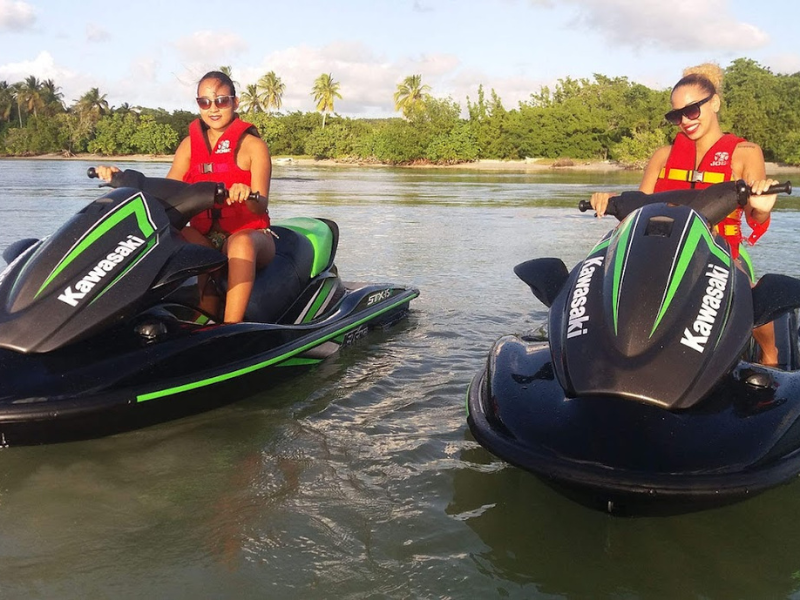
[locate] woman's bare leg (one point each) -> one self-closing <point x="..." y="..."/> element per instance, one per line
<point x="210" y="302"/>
<point x="247" y="250"/>
<point x="765" y="336"/>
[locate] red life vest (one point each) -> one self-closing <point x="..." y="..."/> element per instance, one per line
<point x="680" y="173"/>
<point x="219" y="165"/>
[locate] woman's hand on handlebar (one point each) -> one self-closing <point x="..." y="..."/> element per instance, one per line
<point x="106" y="173"/>
<point x="238" y="192"/>
<point x="599" y="202"/>
<point x="759" y="201"/>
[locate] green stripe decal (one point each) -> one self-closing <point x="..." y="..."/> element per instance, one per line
<point x="324" y="292"/>
<point x="135" y="206"/>
<point x="258" y="366"/>
<point x="622" y="237"/>
<point x="601" y="246"/>
<point x="698" y="231"/>
<point x="751" y="272"/>
<point x="300" y="362"/>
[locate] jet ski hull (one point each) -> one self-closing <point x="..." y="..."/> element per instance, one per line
<point x="119" y="382"/>
<point x="624" y="456"/>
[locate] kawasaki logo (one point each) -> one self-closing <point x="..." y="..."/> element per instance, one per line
<point x="577" y="313"/>
<point x="709" y="310"/>
<point x="101" y="269"/>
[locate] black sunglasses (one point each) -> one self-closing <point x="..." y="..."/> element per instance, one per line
<point x="690" y="111"/>
<point x="220" y="101"/>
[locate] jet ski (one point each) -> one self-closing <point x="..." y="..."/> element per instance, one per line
<point x="101" y="328"/>
<point x="645" y="394"/>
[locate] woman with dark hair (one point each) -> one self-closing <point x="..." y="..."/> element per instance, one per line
<point x="702" y="155"/>
<point x="222" y="148"/>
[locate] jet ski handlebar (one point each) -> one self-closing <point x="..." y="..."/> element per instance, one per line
<point x="135" y="179"/>
<point x="622" y="205"/>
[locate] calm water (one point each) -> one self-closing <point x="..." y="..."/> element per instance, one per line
<point x="360" y="479"/>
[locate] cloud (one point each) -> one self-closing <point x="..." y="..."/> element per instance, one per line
<point x="783" y="63"/>
<point x="678" y="25"/>
<point x="96" y="33"/>
<point x="16" y="15"/>
<point x="368" y="80"/>
<point x="210" y="47"/>
<point x="41" y="67"/>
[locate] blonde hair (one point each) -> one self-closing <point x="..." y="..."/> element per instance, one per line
<point x="707" y="76"/>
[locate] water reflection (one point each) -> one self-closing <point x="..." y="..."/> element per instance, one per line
<point x="537" y="541"/>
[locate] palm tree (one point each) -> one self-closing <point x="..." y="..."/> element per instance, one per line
<point x="18" y="94"/>
<point x="6" y="101"/>
<point x="410" y="95"/>
<point x="271" y="88"/>
<point x="249" y="101"/>
<point x="228" y="71"/>
<point x="325" y="90"/>
<point x="32" y="95"/>
<point x="92" y="103"/>
<point x="52" y="96"/>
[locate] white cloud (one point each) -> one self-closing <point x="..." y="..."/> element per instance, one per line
<point x="96" y="33"/>
<point x="210" y="47"/>
<point x="16" y="15"/>
<point x="368" y="80"/>
<point x="41" y="67"/>
<point x="783" y="63"/>
<point x="678" y="25"/>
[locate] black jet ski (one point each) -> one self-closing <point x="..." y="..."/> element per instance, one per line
<point x="646" y="394"/>
<point x="100" y="325"/>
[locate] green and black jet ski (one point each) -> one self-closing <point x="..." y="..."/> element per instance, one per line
<point x="100" y="325"/>
<point x="645" y="395"/>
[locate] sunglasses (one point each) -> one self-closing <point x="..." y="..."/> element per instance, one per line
<point x="219" y="101"/>
<point x="690" y="111"/>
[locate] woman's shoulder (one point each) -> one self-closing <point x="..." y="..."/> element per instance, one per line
<point x="252" y="143"/>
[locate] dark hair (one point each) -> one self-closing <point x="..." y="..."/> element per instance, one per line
<point x="221" y="77"/>
<point x="700" y="81"/>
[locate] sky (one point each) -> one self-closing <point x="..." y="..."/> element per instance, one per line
<point x="151" y="53"/>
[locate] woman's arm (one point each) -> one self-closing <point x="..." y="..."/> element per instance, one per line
<point x="653" y="168"/>
<point x="747" y="163"/>
<point x="180" y="162"/>
<point x="254" y="156"/>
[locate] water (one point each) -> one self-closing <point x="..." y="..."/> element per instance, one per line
<point x="360" y="479"/>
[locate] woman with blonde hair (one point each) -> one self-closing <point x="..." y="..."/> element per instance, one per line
<point x="702" y="155"/>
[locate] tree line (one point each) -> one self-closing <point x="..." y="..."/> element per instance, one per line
<point x="580" y="119"/>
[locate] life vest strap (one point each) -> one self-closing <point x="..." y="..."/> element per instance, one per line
<point x="692" y="176"/>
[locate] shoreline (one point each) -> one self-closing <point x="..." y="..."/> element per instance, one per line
<point x="519" y="166"/>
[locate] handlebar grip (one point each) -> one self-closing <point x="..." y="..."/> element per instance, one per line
<point x="91" y="173"/>
<point x="780" y="188"/>
<point x="584" y="205"/>
<point x="221" y="194"/>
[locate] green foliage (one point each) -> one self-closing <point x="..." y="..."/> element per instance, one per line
<point x="152" y="137"/>
<point x="457" y="145"/>
<point x="601" y="117"/>
<point x="634" y="152"/>
<point x="41" y="135"/>
<point x="333" y="141"/>
<point x="113" y="134"/>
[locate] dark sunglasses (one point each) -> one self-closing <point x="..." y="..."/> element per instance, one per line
<point x="690" y="111"/>
<point x="220" y="101"/>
